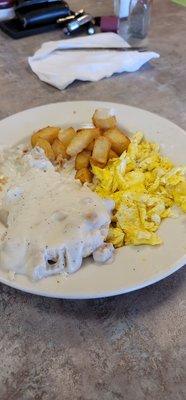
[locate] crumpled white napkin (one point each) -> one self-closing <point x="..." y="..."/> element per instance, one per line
<point x="59" y="68"/>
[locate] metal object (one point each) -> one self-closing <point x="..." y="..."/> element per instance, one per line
<point x="140" y="49"/>
<point x="78" y="21"/>
<point x="71" y="17"/>
<point x="91" y="29"/>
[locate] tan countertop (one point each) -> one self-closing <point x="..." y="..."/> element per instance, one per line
<point x="129" y="347"/>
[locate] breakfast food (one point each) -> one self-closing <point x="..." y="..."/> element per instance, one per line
<point x="66" y="135"/>
<point x="49" y="133"/>
<point x="104" y="119"/>
<point x="46" y="231"/>
<point x="80" y="142"/>
<point x="84" y="175"/>
<point x="72" y="193"/>
<point x="90" y="146"/>
<point x="119" y="141"/>
<point x="144" y="186"/>
<point x="46" y="146"/>
<point x="101" y="150"/>
<point x="130" y="171"/>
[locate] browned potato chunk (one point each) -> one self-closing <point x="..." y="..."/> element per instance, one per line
<point x="90" y="146"/>
<point x="101" y="149"/>
<point x="80" y="142"/>
<point x="59" y="160"/>
<point x="59" y="148"/>
<point x="95" y="131"/>
<point x="103" y="119"/>
<point x="119" y="141"/>
<point x="84" y="175"/>
<point x="49" y="133"/>
<point x="112" y="154"/>
<point x="46" y="146"/>
<point x="66" y="135"/>
<point x="82" y="160"/>
<point x="96" y="163"/>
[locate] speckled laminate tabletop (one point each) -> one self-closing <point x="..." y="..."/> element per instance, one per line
<point x="130" y="347"/>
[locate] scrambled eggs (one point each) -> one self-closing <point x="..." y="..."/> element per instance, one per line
<point x="144" y="186"/>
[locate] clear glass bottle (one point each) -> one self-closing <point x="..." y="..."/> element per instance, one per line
<point x="139" y="18"/>
<point x="121" y="10"/>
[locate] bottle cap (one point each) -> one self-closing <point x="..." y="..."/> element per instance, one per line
<point x="109" y="24"/>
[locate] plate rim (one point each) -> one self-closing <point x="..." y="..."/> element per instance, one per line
<point x="180" y="264"/>
<point x="93" y="101"/>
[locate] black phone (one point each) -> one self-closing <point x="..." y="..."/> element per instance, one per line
<point x="41" y="12"/>
<point x="44" y="16"/>
<point x="31" y="5"/>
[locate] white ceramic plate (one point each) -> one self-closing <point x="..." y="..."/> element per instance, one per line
<point x="134" y="267"/>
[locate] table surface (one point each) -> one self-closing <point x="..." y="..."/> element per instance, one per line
<point x="127" y="347"/>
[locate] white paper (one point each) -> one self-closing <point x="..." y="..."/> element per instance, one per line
<point x="60" y="69"/>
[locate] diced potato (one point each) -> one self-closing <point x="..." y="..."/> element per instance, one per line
<point x="119" y="141"/>
<point x="49" y="133"/>
<point x="84" y="175"/>
<point x="103" y="119"/>
<point x="90" y="146"/>
<point x="46" y="146"/>
<point x="112" y="154"/>
<point x="101" y="149"/>
<point x="80" y="141"/>
<point x="66" y="135"/>
<point x="59" y="160"/>
<point x="82" y="160"/>
<point x="95" y="131"/>
<point x="96" y="163"/>
<point x="59" y="148"/>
